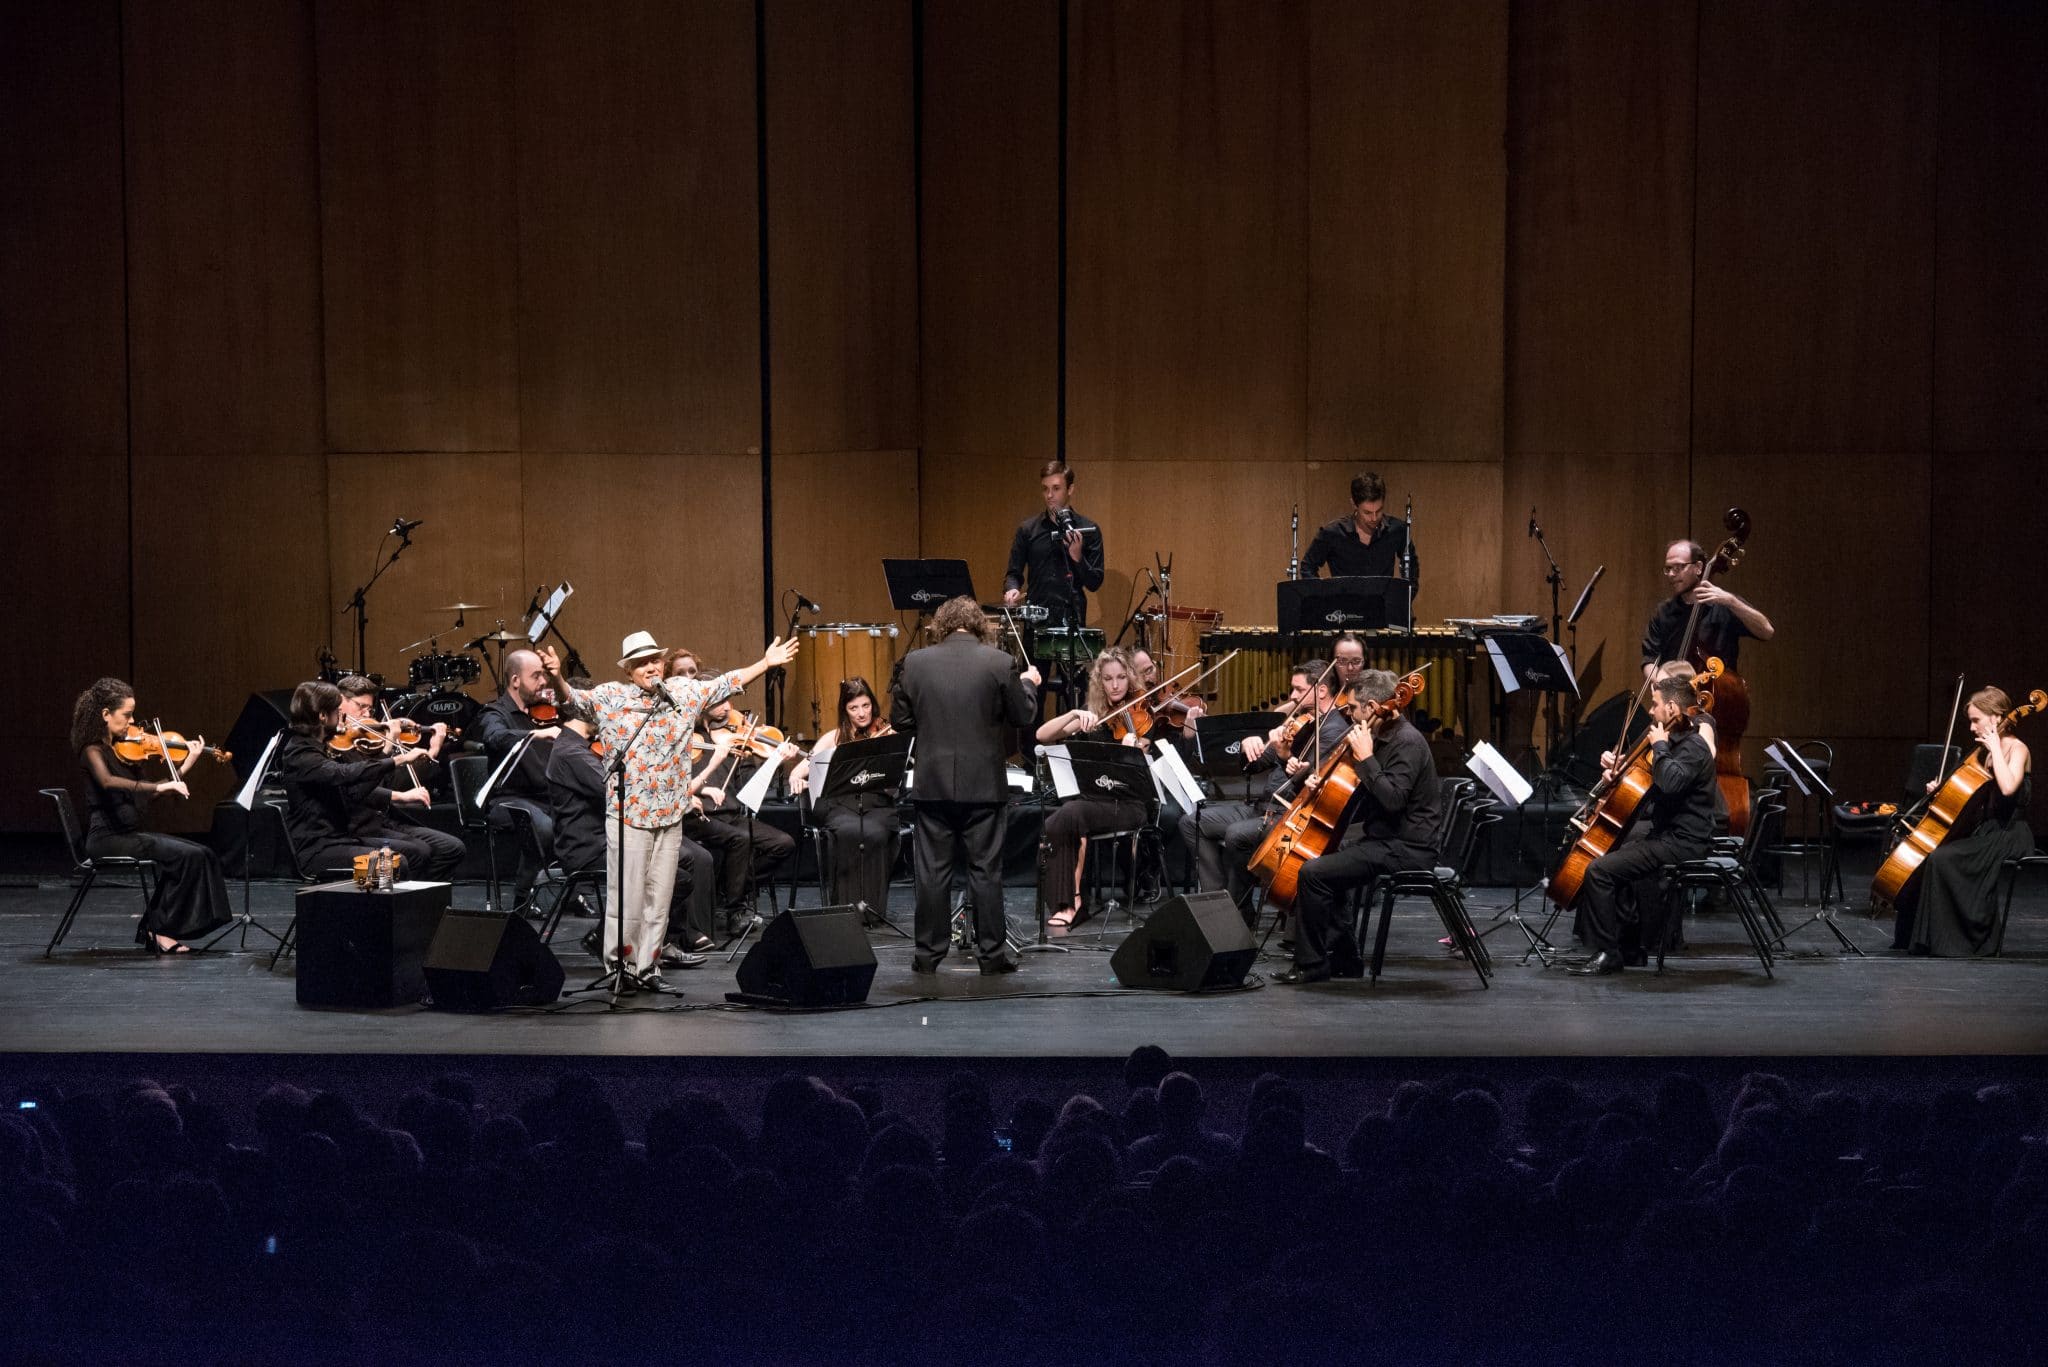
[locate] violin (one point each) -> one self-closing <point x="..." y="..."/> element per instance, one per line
<point x="1314" y="822"/>
<point x="360" y="733"/>
<point x="746" y="734"/>
<point x="139" y="745"/>
<point x="1955" y="809"/>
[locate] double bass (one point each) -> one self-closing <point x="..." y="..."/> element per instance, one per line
<point x="1955" y="810"/>
<point x="1315" y="820"/>
<point x="1725" y="697"/>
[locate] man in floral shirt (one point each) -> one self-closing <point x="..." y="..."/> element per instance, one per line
<point x="653" y="716"/>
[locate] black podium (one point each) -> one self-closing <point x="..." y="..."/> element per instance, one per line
<point x="366" y="949"/>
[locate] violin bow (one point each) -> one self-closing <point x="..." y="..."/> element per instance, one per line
<point x="157" y="724"/>
<point x="1948" y="737"/>
<point x="410" y="772"/>
<point x="1105" y="720"/>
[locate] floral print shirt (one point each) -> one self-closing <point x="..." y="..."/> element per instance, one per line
<point x="658" y="770"/>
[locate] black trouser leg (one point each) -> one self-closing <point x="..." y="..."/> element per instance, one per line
<point x="1322" y="934"/>
<point x="1632" y="865"/>
<point x="981" y="836"/>
<point x="935" y="852"/>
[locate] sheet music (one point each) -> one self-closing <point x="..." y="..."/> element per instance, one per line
<point x="549" y="611"/>
<point x="756" y="790"/>
<point x="1061" y="766"/>
<point x="821" y="769"/>
<point x="1171" y="773"/>
<point x="1501" y="778"/>
<point x="511" y="758"/>
<point x="246" y="799"/>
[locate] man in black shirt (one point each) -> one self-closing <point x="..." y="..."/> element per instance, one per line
<point x="1676" y="822"/>
<point x="500" y="726"/>
<point x="1724" y="618"/>
<point x="1396" y="815"/>
<point x="1056" y="555"/>
<point x="1224" y="835"/>
<point x="1366" y="542"/>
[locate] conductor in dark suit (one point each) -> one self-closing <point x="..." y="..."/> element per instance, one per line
<point x="956" y="698"/>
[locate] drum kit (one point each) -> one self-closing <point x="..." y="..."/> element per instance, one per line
<point x="436" y="678"/>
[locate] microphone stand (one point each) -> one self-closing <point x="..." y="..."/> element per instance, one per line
<point x="1555" y="578"/>
<point x="613" y="979"/>
<point x="1408" y="558"/>
<point x="358" y="602"/>
<point x="1294" y="543"/>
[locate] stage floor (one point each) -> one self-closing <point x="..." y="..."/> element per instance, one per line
<point x="102" y="995"/>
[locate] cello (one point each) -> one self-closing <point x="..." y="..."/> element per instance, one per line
<point x="1315" y="820"/>
<point x="1955" y="809"/>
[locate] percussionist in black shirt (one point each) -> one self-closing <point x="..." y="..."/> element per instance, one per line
<point x="1677" y="823"/>
<point x="1724" y="618"/>
<point x="1056" y="555"/>
<point x="1397" y="815"/>
<point x="1366" y="542"/>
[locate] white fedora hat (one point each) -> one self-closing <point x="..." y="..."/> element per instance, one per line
<point x="637" y="647"/>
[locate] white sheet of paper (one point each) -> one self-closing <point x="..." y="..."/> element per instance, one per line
<point x="1061" y="765"/>
<point x="246" y="799"/>
<point x="756" y="790"/>
<point x="483" y="794"/>
<point x="1020" y="779"/>
<point x="1171" y="771"/>
<point x="1501" y="778"/>
<point x="821" y="769"/>
<point x="549" y="611"/>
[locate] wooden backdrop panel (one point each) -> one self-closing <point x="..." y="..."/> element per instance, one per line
<point x="472" y="553"/>
<point x="989" y="283"/>
<point x="639" y="304"/>
<point x="968" y="507"/>
<point x="1619" y="511"/>
<point x="231" y="601"/>
<point x="1600" y="214"/>
<point x="223" y="228"/>
<point x="836" y="516"/>
<point x="1991" y="308"/>
<point x="1187" y="233"/>
<point x="1457" y="540"/>
<point x="61" y="290"/>
<point x="651" y="542"/>
<point x="842" y="226"/>
<point x="1407" y="178"/>
<point x="418" y="225"/>
<point x="1826" y="563"/>
<point x="1814" y="320"/>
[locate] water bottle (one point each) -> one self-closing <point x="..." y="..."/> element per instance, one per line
<point x="384" y="869"/>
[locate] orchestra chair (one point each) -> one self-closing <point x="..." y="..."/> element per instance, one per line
<point x="467" y="775"/>
<point x="86" y="870"/>
<point x="821" y="840"/>
<point x="551" y="871"/>
<point x="2011" y="873"/>
<point x="1733" y="875"/>
<point x="1443" y="882"/>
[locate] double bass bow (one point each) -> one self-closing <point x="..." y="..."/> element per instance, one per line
<point x="1955" y="809"/>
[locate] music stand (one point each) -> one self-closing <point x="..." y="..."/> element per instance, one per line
<point x="1219" y="744"/>
<point x="1357" y="602"/>
<point x="1512" y="791"/>
<point x="1811" y="785"/>
<point x="1107" y="770"/>
<point x="246" y="798"/>
<point x="857" y="768"/>
<point x="922" y="585"/>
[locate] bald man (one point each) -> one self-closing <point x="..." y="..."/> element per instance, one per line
<point x="500" y="727"/>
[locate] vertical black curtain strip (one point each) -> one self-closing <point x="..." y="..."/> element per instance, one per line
<point x="1060" y="256"/>
<point x="768" y="623"/>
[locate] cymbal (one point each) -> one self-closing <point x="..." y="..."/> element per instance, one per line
<point x="498" y="637"/>
<point x="462" y="607"/>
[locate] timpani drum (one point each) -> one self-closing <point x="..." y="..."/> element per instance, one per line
<point x="833" y="651"/>
<point x="1073" y="647"/>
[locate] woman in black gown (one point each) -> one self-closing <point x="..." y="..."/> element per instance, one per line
<point x="191" y="894"/>
<point x="1957" y="911"/>
<point x="864" y="826"/>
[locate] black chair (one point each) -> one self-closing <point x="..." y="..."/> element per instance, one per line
<point x="1443" y="882"/>
<point x="2011" y="872"/>
<point x="87" y="869"/>
<point x="551" y="871"/>
<point x="467" y="774"/>
<point x="1733" y="875"/>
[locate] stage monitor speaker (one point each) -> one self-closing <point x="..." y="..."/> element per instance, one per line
<point x="809" y="956"/>
<point x="365" y="949"/>
<point x="263" y="716"/>
<point x="1189" y="944"/>
<point x="484" y="961"/>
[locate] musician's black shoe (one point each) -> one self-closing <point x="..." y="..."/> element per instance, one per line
<point x="1636" y="958"/>
<point x="920" y="964"/>
<point x="1599" y="965"/>
<point x="1296" y="977"/>
<point x="992" y="967"/>
<point x="593" y="941"/>
<point x="672" y="957"/>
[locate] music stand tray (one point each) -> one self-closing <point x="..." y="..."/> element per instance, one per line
<point x="1219" y="741"/>
<point x="1525" y="660"/>
<point x="1113" y="771"/>
<point x="866" y="766"/>
<point x="922" y="585"/>
<point x="1357" y="602"/>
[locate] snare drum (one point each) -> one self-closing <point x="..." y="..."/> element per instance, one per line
<point x="831" y="652"/>
<point x="1074" y="647"/>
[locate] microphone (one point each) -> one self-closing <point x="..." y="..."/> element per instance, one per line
<point x="406" y="526"/>
<point x="1532" y="523"/>
<point x="806" y="604"/>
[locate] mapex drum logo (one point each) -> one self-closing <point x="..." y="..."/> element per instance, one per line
<point x="865" y="777"/>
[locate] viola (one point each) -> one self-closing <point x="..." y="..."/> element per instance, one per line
<point x="1315" y="821"/>
<point x="1956" y="808"/>
<point x="139" y="745"/>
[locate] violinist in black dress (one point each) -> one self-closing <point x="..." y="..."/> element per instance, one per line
<point x="190" y="897"/>
<point x="1956" y="912"/>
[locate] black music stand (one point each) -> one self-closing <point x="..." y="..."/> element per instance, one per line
<point x="923" y="585"/>
<point x="1525" y="660"/>
<point x="1811" y="785"/>
<point x="1357" y="602"/>
<point x="1219" y="744"/>
<point x="867" y="766"/>
<point x="1108" y="770"/>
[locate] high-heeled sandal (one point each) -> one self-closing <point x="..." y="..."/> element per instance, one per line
<point x="154" y="946"/>
<point x="1066" y="918"/>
